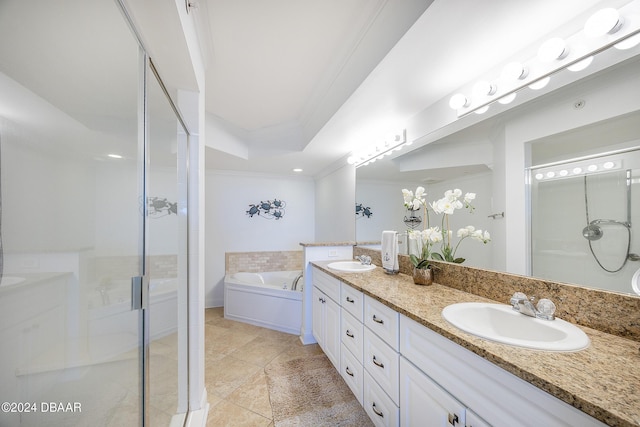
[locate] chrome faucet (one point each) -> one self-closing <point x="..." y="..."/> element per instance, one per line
<point x="364" y="259"/>
<point x="294" y="284"/>
<point x="545" y="308"/>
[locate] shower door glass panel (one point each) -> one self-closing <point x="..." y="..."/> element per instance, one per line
<point x="166" y="259"/>
<point x="582" y="226"/>
<point x="71" y="223"/>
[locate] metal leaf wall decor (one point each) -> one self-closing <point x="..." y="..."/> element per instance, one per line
<point x="270" y="209"/>
<point x="363" y="211"/>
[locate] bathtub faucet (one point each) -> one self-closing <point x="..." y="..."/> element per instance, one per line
<point x="294" y="284"/>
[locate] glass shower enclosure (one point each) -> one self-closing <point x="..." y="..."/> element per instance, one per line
<point x="584" y="218"/>
<point x="93" y="260"/>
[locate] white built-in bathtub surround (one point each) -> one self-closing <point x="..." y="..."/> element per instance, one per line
<point x="265" y="299"/>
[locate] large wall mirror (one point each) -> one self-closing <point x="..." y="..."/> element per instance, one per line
<point x="547" y="219"/>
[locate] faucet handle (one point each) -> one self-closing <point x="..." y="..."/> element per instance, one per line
<point x="546" y="309"/>
<point x="517" y="298"/>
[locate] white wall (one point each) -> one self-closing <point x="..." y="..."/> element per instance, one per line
<point x="386" y="202"/>
<point x="230" y="229"/>
<point x="335" y="206"/>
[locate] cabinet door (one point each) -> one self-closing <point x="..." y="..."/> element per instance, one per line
<point x="423" y="402"/>
<point x="332" y="331"/>
<point x="317" y="308"/>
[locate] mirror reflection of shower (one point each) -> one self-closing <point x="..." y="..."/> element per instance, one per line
<point x="582" y="211"/>
<point x="594" y="231"/>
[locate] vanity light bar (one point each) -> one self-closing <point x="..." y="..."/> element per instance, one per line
<point x="570" y="170"/>
<point x="554" y="55"/>
<point x="369" y="155"/>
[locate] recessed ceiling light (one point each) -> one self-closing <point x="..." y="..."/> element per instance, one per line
<point x="114" y="156"/>
<point x="297" y="170"/>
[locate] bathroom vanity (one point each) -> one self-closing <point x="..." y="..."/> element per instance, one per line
<point x="406" y="364"/>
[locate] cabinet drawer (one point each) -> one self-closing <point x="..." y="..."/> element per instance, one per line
<point x="352" y="373"/>
<point x="380" y="408"/>
<point x="382" y="363"/>
<point x="382" y="320"/>
<point x="352" y="301"/>
<point x="423" y="399"/>
<point x="327" y="284"/>
<point x="352" y="334"/>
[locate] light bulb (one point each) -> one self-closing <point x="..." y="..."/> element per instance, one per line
<point x="515" y="71"/>
<point x="507" y="99"/>
<point x="553" y="49"/>
<point x="628" y="43"/>
<point x="458" y="101"/>
<point x="604" y="21"/>
<point x="539" y="84"/>
<point x="581" y="65"/>
<point x="484" y="88"/>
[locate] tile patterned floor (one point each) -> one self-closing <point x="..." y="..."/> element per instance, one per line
<point x="235" y="357"/>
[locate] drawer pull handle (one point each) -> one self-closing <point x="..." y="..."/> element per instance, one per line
<point x="349" y="334"/>
<point x="351" y="300"/>
<point x="348" y="371"/>
<point x="322" y="300"/>
<point x="453" y="419"/>
<point x="375" y="410"/>
<point x="375" y="362"/>
<point x="375" y="319"/>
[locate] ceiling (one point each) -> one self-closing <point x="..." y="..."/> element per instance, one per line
<point x="304" y="83"/>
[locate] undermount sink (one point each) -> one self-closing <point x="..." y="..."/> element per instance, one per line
<point x="499" y="322"/>
<point x="351" y="266"/>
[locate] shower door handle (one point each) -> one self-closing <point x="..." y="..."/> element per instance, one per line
<point x="138" y="293"/>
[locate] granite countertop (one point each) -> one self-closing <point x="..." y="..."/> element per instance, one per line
<point x="602" y="380"/>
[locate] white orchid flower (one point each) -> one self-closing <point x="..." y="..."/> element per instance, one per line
<point x="466" y="231"/>
<point x="407" y="195"/>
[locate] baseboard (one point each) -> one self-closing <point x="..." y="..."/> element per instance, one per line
<point x="213" y="302"/>
<point x="307" y="339"/>
<point x="199" y="418"/>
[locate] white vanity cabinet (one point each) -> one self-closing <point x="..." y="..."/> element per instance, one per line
<point x="486" y="391"/>
<point x="405" y="374"/>
<point x="326" y="315"/>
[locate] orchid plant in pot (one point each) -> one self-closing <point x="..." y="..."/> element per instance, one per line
<point x="443" y="235"/>
<point x="447" y="206"/>
<point x="424" y="239"/>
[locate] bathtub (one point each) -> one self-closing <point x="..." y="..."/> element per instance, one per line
<point x="265" y="299"/>
<point x="113" y="326"/>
